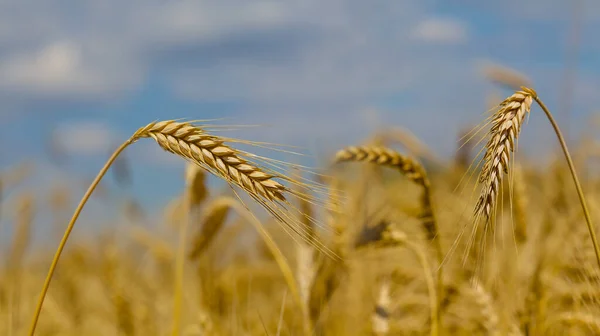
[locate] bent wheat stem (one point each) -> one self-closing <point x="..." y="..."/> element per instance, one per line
<point x="67" y="233"/>
<point x="582" y="200"/>
<point x="180" y="265"/>
<point x="210" y="153"/>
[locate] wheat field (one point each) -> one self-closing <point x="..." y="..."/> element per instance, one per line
<point x="383" y="240"/>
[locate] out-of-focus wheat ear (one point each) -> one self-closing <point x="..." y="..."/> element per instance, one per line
<point x="380" y="319"/>
<point x="22" y="234"/>
<point x="242" y="210"/>
<point x="191" y="200"/>
<point x="414" y="171"/>
<point x="20" y="243"/>
<point x="409" y="141"/>
<point x="408" y="167"/>
<point x="586" y="320"/>
<point x="385" y="234"/>
<point x="329" y="273"/>
<point x="463" y="156"/>
<point x="520" y="204"/>
<point x="213" y="218"/>
<point x="485" y="303"/>
<point x="196" y="180"/>
<point x="392" y="236"/>
<point x="504" y="76"/>
<point x="305" y="256"/>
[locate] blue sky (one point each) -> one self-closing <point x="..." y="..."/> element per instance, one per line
<point x="315" y="71"/>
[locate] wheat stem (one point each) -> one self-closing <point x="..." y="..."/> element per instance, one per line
<point x="582" y="200"/>
<point x="180" y="265"/>
<point x="280" y="259"/>
<point x="67" y="233"/>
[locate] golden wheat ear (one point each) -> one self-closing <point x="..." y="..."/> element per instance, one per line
<point x="408" y="167"/>
<point x="499" y="151"/>
<point x="209" y="152"/>
<point x="415" y="172"/>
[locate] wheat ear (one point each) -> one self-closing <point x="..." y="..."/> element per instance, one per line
<point x="414" y="171"/>
<point x="506" y="126"/>
<point x="210" y="153"/>
<point x="408" y="167"/>
<point x="394" y="237"/>
<point x="504" y="132"/>
<point x="194" y="193"/>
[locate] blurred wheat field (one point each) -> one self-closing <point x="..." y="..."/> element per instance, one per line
<point x="535" y="275"/>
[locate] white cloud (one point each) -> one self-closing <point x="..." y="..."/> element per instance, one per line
<point x="62" y="69"/>
<point x="84" y="138"/>
<point x="440" y="30"/>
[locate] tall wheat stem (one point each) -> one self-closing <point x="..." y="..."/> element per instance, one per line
<point x="582" y="200"/>
<point x="180" y="264"/>
<point x="67" y="233"/>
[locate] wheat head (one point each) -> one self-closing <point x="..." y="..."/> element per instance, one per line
<point x="505" y="129"/>
<point x="386" y="157"/>
<point x="237" y="168"/>
<point x="210" y="152"/>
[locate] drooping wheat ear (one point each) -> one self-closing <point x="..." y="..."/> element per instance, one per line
<point x="405" y="165"/>
<point x="20" y="243"/>
<point x="386" y="157"/>
<point x="210" y="153"/>
<point x="505" y="128"/>
<point x="414" y="171"/>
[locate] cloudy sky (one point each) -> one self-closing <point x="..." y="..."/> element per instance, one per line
<point x="318" y="74"/>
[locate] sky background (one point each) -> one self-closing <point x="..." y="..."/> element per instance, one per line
<point x="317" y="74"/>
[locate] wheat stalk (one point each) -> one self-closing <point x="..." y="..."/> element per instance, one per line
<point x="192" y="143"/>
